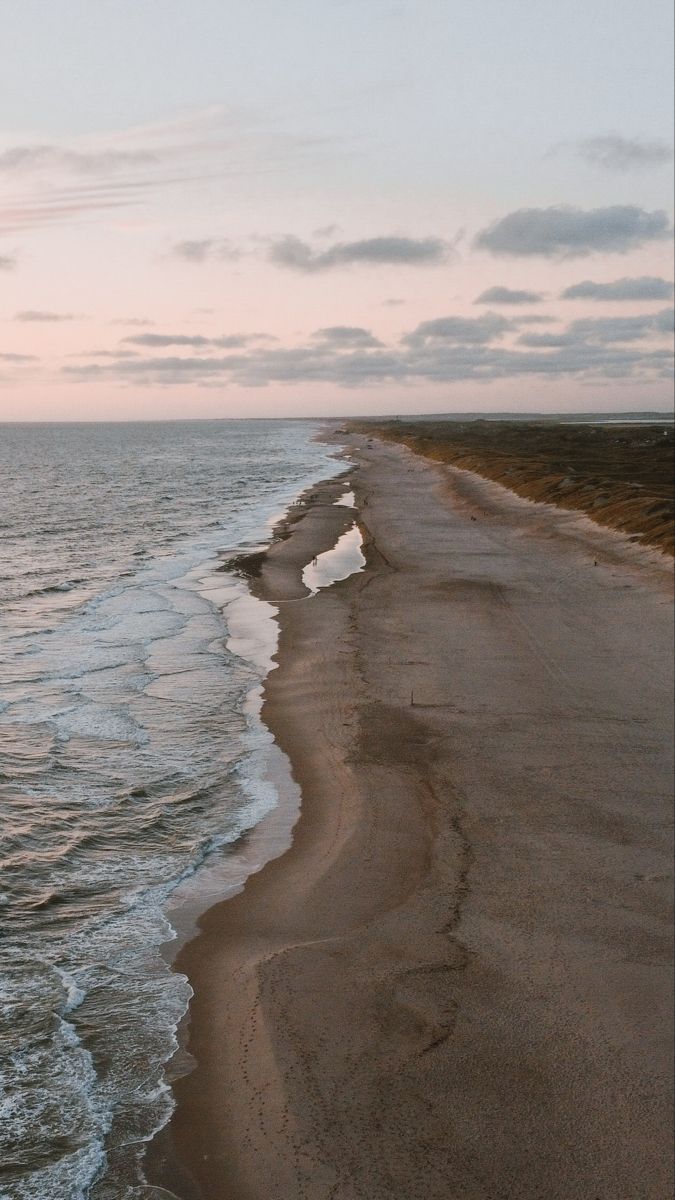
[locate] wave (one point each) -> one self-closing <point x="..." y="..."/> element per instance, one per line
<point x="136" y="758"/>
<point x="53" y="589"/>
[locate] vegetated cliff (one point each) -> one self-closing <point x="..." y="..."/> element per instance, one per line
<point x="620" y="475"/>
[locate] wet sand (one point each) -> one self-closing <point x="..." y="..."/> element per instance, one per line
<point x="455" y="985"/>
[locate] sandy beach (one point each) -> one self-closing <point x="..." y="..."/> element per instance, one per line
<point x="456" y="983"/>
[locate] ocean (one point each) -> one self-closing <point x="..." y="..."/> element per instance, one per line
<point x="131" y="757"/>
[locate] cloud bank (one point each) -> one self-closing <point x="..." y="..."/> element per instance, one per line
<point x="443" y="350"/>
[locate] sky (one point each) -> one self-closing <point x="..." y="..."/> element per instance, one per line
<point x="334" y="207"/>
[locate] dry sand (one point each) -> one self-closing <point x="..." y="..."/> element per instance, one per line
<point x="456" y="983"/>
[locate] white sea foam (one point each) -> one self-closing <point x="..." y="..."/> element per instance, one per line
<point x="252" y="629"/>
<point x="131" y="725"/>
<point x="74" y="994"/>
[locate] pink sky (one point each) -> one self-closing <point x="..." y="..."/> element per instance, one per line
<point x="161" y="209"/>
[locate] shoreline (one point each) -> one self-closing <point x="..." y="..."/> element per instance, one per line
<point x="272" y="836"/>
<point x="345" y="1000"/>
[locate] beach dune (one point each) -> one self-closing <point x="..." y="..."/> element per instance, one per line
<point x="456" y="983"/>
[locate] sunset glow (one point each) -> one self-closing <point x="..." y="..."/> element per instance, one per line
<point x="257" y="209"/>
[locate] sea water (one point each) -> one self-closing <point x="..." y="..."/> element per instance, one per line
<point x="129" y="758"/>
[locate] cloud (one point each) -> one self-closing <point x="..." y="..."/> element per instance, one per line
<point x="201" y="249"/>
<point x="664" y="321"/>
<point x="565" y="232"/>
<point x="7" y="262"/>
<point x="432" y="362"/>
<point x="107" y="171"/>
<point x="463" y="330"/>
<point x="132" y="321"/>
<point x="615" y="153"/>
<point x="161" y="340"/>
<point x="623" y="329"/>
<point x="23" y="159"/>
<point x="114" y="354"/>
<point x="546" y="341"/>
<point x="644" y="287"/>
<point x="392" y="302"/>
<point x="442" y="350"/>
<point x="63" y="183"/>
<point x="504" y="295"/>
<point x="194" y="251"/>
<point x="532" y="319"/>
<point x="347" y="335"/>
<point x="18" y="358"/>
<point x="296" y="255"/>
<point x="605" y="330"/>
<point x="58" y="206"/>
<point x="32" y="314"/>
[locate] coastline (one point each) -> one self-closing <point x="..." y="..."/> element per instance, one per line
<point x="367" y="1002"/>
<point x="272" y="836"/>
<point x="251" y="616"/>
